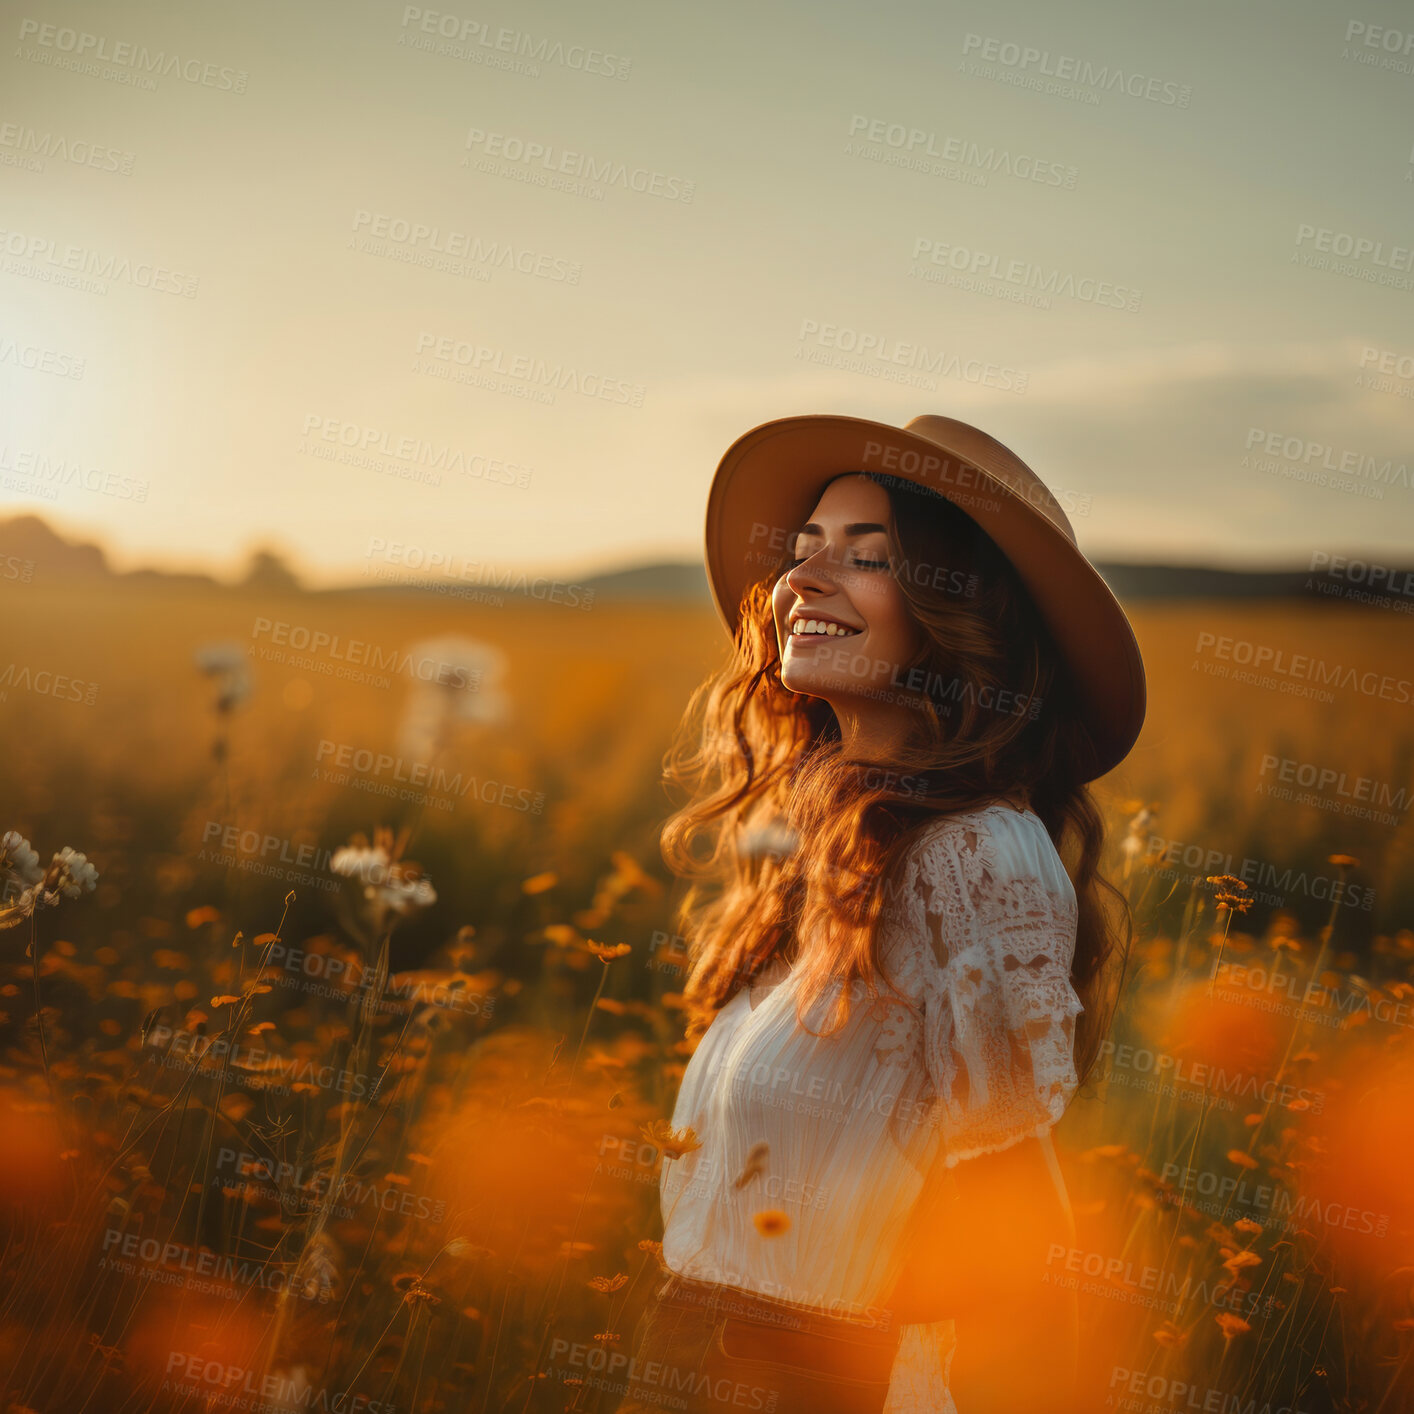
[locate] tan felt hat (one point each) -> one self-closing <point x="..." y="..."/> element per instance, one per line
<point x="771" y="477"/>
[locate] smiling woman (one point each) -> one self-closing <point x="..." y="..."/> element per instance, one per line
<point x="839" y="585"/>
<point x="892" y="1002"/>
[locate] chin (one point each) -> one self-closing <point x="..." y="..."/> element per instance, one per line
<point x="808" y="684"/>
<point x="797" y="679"/>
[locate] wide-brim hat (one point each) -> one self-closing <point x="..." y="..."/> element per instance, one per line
<point x="770" y="478"/>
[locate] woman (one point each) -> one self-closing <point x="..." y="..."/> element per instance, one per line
<point x="902" y="952"/>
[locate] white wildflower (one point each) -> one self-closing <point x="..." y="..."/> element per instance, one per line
<point x="464" y="684"/>
<point x="391" y="885"/>
<point x="407" y="896"/>
<point x="229" y="665"/>
<point x="221" y="657"/>
<point x="1136" y="840"/>
<point x="387" y="882"/>
<point x="68" y="876"/>
<point x="76" y="874"/>
<point x="18" y="860"/>
<point x="360" y="861"/>
<point x="775" y="838"/>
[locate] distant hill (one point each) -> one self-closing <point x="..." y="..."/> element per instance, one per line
<point x="29" y="537"/>
<point x="672" y="580"/>
<point x="675" y="582"/>
<point x="1132" y="582"/>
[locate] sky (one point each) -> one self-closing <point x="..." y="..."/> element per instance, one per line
<point x="502" y="283"/>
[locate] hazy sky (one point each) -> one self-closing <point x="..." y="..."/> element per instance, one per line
<point x="1194" y="161"/>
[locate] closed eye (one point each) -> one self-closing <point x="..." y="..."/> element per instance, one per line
<point x="861" y="564"/>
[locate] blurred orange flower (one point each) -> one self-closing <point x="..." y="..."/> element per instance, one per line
<point x="673" y="1142"/>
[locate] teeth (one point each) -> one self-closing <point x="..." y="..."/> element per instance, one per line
<point x="821" y="626"/>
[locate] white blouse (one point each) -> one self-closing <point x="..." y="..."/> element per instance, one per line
<point x="978" y="936"/>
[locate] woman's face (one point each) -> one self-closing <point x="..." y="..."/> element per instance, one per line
<point x="842" y="622"/>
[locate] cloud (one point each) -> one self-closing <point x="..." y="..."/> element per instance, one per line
<point x="1156" y="436"/>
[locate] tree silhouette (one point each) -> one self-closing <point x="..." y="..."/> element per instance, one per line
<point x="269" y="572"/>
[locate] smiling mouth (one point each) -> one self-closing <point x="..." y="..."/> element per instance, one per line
<point x="805" y="627"/>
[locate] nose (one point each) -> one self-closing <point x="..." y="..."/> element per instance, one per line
<point x="817" y="573"/>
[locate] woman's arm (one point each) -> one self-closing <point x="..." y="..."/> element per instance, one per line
<point x="982" y="1243"/>
<point x="988" y="918"/>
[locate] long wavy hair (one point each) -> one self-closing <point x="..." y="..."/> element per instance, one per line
<point x="763" y="766"/>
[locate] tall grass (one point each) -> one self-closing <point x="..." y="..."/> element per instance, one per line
<point x="292" y="1143"/>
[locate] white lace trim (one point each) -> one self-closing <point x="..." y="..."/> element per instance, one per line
<point x="981" y="944"/>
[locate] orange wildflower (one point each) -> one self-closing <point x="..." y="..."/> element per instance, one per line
<point x="673" y="1142"/>
<point x="607" y="952"/>
<point x="1231" y="1325"/>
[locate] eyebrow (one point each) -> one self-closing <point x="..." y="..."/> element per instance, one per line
<point x="860" y="527"/>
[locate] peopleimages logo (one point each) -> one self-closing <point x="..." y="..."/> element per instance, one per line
<point x="654" y="1381"/>
<point x="1364" y="796"/>
<point x="265" y="1069"/>
<point x="43" y="256"/>
<point x="474" y="40"/>
<point x="1378" y="46"/>
<point x="1376" y="578"/>
<point x="451" y="564"/>
<point x="176" y="1264"/>
<point x="1273" y="1203"/>
<point x="46" y="473"/>
<point x="32" y="146"/>
<point x="899" y="360"/>
<point x="973" y="265"/>
<point x="1209" y="1078"/>
<point x="317" y="642"/>
<point x="99" y="48"/>
<point x="45" y="683"/>
<point x="1108" y="79"/>
<point x="241" y="1388"/>
<point x="1303" y="451"/>
<point x="266" y="856"/>
<point x="41" y="360"/>
<point x="379" y="233"/>
<point x="410" y="780"/>
<point x="1299" y="668"/>
<point x="1179" y="1395"/>
<point x="581" y="166"/>
<point x="1373" y="259"/>
<point x="1120" y="1278"/>
<point x="466" y="361"/>
<point x="304" y="1188"/>
<point x="1258" y="874"/>
<point x="439" y="456"/>
<point x="934" y="152"/>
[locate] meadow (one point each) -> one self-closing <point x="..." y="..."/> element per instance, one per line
<point x="344" y="1085"/>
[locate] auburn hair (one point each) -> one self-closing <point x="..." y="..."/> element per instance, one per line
<point x="763" y="767"/>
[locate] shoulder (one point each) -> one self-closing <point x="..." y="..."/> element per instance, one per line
<point x="975" y="876"/>
<point x="988" y="843"/>
<point x="990" y="949"/>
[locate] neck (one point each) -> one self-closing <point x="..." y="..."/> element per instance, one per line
<point x="873" y="735"/>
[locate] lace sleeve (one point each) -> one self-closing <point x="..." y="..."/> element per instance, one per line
<point x="997" y="916"/>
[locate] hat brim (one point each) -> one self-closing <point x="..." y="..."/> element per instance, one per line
<point x="770" y="478"/>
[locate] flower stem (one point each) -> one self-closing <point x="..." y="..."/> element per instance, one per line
<point x="584" y="1035"/>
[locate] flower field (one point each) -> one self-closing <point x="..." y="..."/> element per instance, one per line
<point x="340" y="1044"/>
